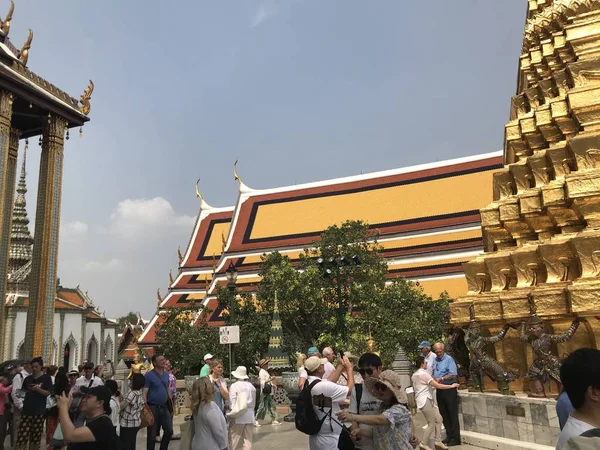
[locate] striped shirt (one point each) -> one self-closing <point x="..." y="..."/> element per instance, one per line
<point x="131" y="415"/>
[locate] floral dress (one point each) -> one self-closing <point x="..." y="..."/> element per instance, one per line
<point x="395" y="436"/>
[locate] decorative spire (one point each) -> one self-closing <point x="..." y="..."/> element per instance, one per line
<point x="276" y="356"/>
<point x="171" y="277"/>
<point x="85" y="98"/>
<point x="21" y="241"/>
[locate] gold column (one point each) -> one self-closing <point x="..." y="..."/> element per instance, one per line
<point x="8" y="167"/>
<point x="42" y="291"/>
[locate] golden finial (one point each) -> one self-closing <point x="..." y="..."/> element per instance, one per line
<point x="203" y="204"/>
<point x="223" y="241"/>
<point x="158" y="296"/>
<point x="214" y="267"/>
<point x="179" y="255"/>
<point x="170" y="276"/>
<point x="85" y="99"/>
<point x="206" y="283"/>
<point x="235" y="174"/>
<point x="24" y="56"/>
<point x="5" y="24"/>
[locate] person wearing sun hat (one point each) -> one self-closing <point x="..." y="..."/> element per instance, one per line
<point x="333" y="394"/>
<point x="312" y="351"/>
<point x="392" y="429"/>
<point x="266" y="395"/>
<point x="242" y="424"/>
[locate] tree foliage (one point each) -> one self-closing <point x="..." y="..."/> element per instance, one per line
<point x="185" y="345"/>
<point x="130" y="317"/>
<point x="396" y="315"/>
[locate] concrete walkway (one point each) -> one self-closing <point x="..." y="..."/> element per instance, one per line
<point x="285" y="436"/>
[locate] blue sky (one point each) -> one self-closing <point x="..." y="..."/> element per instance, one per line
<point x="297" y="90"/>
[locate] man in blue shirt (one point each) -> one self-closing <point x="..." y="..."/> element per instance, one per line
<point x="445" y="372"/>
<point x="158" y="397"/>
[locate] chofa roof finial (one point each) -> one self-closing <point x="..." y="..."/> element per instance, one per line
<point x="203" y="204"/>
<point x="24" y="56"/>
<point x="5" y="24"/>
<point x="85" y="99"/>
<point x="242" y="186"/>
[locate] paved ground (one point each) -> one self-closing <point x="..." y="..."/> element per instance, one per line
<point x="286" y="437"/>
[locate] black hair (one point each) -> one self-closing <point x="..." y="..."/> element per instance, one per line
<point x="138" y="381"/>
<point x="580" y="370"/>
<point x="38" y="360"/>
<point x="112" y="386"/>
<point x="153" y="359"/>
<point x="88" y="365"/>
<point x="419" y="360"/>
<point x="369" y="359"/>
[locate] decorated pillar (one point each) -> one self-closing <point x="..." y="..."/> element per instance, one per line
<point x="9" y="343"/>
<point x="40" y="315"/>
<point x="61" y="338"/>
<point x="8" y="169"/>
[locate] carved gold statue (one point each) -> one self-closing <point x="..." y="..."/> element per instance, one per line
<point x="85" y="99"/>
<point x="136" y="367"/>
<point x="545" y="365"/>
<point x="5" y="24"/>
<point x="24" y="56"/>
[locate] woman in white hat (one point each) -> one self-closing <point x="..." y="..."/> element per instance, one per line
<point x="242" y="397"/>
<point x="393" y="428"/>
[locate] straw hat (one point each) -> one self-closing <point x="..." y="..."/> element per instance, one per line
<point x="392" y="381"/>
<point x="263" y="362"/>
<point x="241" y="373"/>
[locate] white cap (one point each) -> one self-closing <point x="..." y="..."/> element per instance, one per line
<point x="208" y="356"/>
<point x="313" y="363"/>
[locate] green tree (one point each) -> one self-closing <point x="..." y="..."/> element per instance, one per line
<point x="253" y="316"/>
<point x="185" y="345"/>
<point x="130" y="317"/>
<point x="396" y="315"/>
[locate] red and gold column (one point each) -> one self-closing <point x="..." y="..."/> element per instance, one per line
<point x="42" y="291"/>
<point x="8" y="168"/>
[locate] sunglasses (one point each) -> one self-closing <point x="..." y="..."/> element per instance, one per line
<point x="367" y="371"/>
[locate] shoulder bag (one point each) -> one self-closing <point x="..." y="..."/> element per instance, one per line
<point x="241" y="405"/>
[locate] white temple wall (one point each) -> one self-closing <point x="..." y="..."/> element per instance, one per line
<point x="93" y="332"/>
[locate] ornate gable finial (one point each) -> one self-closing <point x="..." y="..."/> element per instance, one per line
<point x="5" y="24"/>
<point x="85" y="99"/>
<point x="179" y="255"/>
<point x="158" y="296"/>
<point x="241" y="185"/>
<point x="24" y="56"/>
<point x="223" y="242"/>
<point x="170" y="276"/>
<point x="203" y="204"/>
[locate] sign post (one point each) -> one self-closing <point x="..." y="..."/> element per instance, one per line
<point x="229" y="335"/>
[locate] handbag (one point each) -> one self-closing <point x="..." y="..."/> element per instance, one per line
<point x="345" y="441"/>
<point x="147" y="418"/>
<point x="187" y="434"/>
<point x="241" y="405"/>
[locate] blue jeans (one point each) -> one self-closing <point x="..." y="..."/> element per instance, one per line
<point x="162" y="418"/>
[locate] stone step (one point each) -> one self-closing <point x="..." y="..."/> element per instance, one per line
<point x="498" y="443"/>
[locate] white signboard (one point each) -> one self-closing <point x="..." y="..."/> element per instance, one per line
<point x="229" y="335"/>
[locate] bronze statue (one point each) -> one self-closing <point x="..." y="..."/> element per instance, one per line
<point x="482" y="363"/>
<point x="457" y="348"/>
<point x="545" y="365"/>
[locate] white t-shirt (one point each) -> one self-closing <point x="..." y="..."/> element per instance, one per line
<point x="247" y="387"/>
<point x="430" y="358"/>
<point x="327" y="438"/>
<point x="264" y="377"/>
<point x="369" y="405"/>
<point x="83" y="381"/>
<point x="115" y="409"/>
<point x="573" y="427"/>
<point x="421" y="380"/>
<point x="329" y="369"/>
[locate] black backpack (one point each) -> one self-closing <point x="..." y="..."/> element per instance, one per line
<point x="307" y="420"/>
<point x="267" y="389"/>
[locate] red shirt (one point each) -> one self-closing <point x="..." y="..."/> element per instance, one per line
<point x="4" y="390"/>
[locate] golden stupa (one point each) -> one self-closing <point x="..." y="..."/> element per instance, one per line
<point x="542" y="231"/>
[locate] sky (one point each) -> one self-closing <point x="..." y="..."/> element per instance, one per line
<point x="297" y="90"/>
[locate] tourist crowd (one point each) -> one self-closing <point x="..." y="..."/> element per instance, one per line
<point x="83" y="408"/>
